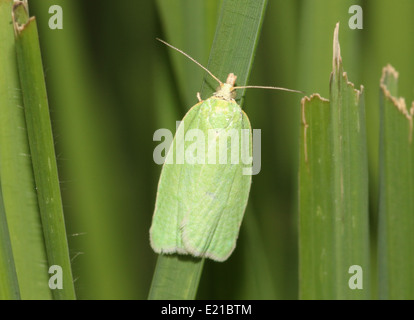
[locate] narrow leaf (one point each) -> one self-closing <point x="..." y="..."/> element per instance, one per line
<point x="42" y="147"/>
<point x="316" y="246"/>
<point x="349" y="183"/>
<point x="16" y="174"/>
<point x="184" y="274"/>
<point x="334" y="234"/>
<point x="396" y="204"/>
<point x="9" y="285"/>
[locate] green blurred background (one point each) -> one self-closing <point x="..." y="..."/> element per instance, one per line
<point x="111" y="85"/>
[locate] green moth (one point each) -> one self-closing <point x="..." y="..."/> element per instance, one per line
<point x="201" y="199"/>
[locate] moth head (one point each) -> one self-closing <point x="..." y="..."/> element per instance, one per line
<point x="227" y="91"/>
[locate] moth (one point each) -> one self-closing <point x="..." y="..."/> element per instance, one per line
<point x="201" y="202"/>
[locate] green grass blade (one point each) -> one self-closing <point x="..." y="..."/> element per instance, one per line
<point x="235" y="43"/>
<point x="42" y="147"/>
<point x="233" y="50"/>
<point x="17" y="184"/>
<point x="350" y="180"/>
<point x="316" y="248"/>
<point x="9" y="285"/>
<point x="334" y="231"/>
<point x="184" y="274"/>
<point x="396" y="206"/>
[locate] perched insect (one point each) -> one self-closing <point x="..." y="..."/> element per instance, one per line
<point x="201" y="202"/>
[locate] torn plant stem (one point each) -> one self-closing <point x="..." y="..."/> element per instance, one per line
<point x="333" y="189"/>
<point x="337" y="60"/>
<point x="307" y="101"/>
<point x="41" y="144"/>
<point x="20" y="16"/>
<point x="388" y="80"/>
<point x="337" y="67"/>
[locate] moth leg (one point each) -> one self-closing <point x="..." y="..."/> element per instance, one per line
<point x="199" y="97"/>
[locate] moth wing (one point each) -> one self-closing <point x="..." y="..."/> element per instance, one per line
<point x="165" y="233"/>
<point x="211" y="225"/>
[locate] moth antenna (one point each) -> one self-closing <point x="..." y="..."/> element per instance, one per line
<point x="192" y="59"/>
<point x="271" y="88"/>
